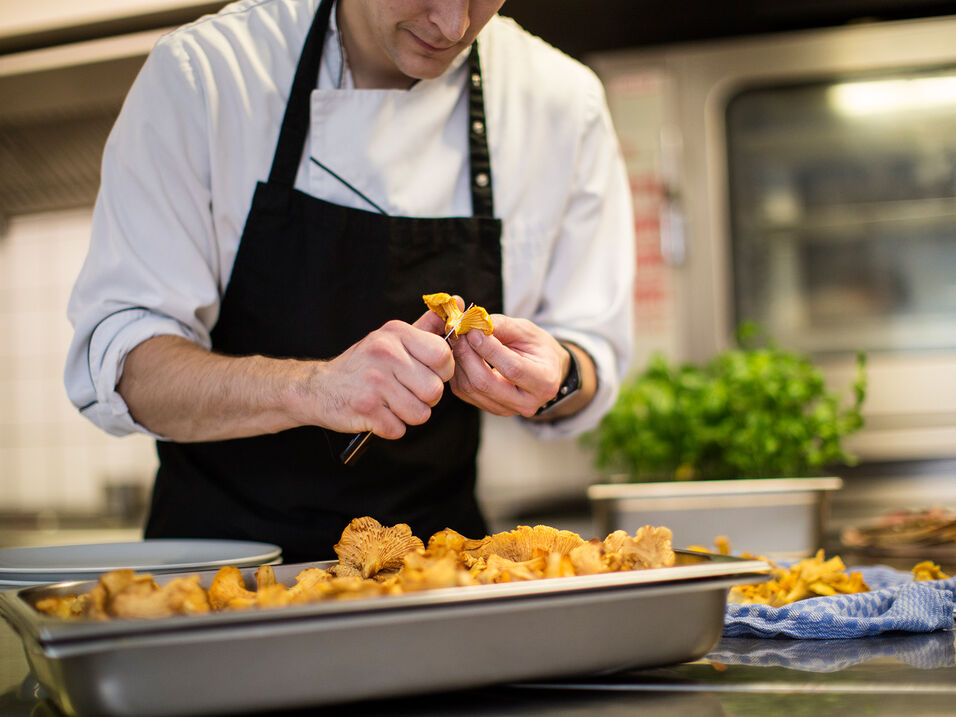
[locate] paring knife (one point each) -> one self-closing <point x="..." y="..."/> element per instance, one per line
<point x="356" y="446"/>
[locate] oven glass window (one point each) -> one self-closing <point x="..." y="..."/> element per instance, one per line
<point x="843" y="212"/>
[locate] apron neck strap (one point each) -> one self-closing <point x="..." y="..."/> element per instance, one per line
<point x="482" y="201"/>
<point x="295" y="122"/>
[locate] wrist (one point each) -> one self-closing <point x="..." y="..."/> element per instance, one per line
<point x="304" y="383"/>
<point x="570" y="385"/>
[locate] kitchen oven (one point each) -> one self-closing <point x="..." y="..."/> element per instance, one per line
<point x="805" y="181"/>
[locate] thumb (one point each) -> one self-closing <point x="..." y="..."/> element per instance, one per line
<point x="506" y="329"/>
<point x="430" y="322"/>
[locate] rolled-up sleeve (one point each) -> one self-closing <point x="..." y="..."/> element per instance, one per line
<point x="587" y="297"/>
<point x="152" y="266"/>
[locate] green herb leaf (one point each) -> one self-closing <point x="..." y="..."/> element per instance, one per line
<point x="756" y="411"/>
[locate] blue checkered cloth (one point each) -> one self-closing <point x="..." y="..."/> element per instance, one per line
<point x="895" y="603"/>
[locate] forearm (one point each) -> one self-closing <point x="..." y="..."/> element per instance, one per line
<point x="181" y="391"/>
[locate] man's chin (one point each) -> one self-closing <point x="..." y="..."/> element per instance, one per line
<point x="424" y="68"/>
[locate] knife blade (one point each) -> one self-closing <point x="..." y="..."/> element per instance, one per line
<point x="356" y="446"/>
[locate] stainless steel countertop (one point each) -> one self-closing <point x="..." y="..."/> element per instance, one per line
<point x="898" y="674"/>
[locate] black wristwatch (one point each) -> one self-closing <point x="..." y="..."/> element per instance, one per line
<point x="570" y="385"/>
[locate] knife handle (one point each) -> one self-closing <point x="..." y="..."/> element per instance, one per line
<point x="355" y="448"/>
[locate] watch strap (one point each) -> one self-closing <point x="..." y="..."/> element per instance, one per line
<point x="570" y="384"/>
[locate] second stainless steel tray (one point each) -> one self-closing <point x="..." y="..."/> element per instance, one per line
<point x="339" y="651"/>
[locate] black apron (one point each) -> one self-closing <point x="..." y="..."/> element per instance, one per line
<point x="310" y="279"/>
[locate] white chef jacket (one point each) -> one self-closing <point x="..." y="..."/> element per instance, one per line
<point x="198" y="130"/>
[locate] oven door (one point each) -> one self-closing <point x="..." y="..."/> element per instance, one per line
<point x="842" y="209"/>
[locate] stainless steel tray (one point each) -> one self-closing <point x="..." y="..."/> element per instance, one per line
<point x="339" y="651"/>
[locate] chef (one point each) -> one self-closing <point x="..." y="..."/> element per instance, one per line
<point x="285" y="181"/>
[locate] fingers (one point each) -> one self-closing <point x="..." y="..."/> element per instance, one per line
<point x="469" y="395"/>
<point x="393" y="377"/>
<point x="401" y="408"/>
<point x="387" y="381"/>
<point x="375" y="415"/>
<point x="508" y="362"/>
<point x="415" y="373"/>
<point x="523" y="354"/>
<point x="385" y="406"/>
<point x="428" y="347"/>
<point x="420" y="382"/>
<point x="483" y="385"/>
<point x="477" y="393"/>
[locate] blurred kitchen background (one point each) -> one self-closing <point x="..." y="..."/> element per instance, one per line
<point x="792" y="162"/>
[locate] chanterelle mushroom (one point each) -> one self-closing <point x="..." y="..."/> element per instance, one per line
<point x="367" y="548"/>
<point x="522" y="543"/>
<point x="475" y="318"/>
<point x="447" y="308"/>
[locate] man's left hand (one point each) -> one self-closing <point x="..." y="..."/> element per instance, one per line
<point x="513" y="371"/>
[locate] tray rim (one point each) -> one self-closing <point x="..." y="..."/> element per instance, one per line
<point x="738" y="486"/>
<point x="16" y="606"/>
<point x="298" y="624"/>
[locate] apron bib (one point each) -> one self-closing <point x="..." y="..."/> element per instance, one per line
<point x="310" y="279"/>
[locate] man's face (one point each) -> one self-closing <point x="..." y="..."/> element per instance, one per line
<point x="420" y="38"/>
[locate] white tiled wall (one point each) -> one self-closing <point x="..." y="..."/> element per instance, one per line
<point x="50" y="457"/>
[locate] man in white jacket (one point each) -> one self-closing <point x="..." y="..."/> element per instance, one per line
<point x="285" y="181"/>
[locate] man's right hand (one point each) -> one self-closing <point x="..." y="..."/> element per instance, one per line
<point x="385" y="382"/>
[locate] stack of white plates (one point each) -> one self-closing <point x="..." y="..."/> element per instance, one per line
<point x="22" y="567"/>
